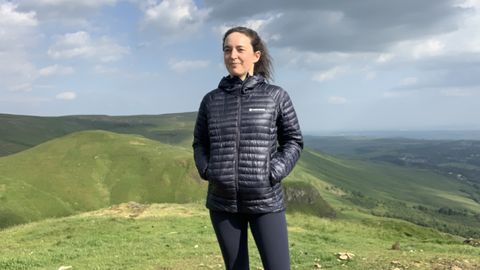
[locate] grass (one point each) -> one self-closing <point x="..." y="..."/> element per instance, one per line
<point x="93" y="169"/>
<point x="173" y="236"/>
<point x="20" y="132"/>
<point x="87" y="170"/>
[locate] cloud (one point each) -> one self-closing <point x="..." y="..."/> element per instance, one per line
<point x="9" y="16"/>
<point x="64" y="11"/>
<point x="346" y="26"/>
<point x="256" y="23"/>
<point x="16" y="27"/>
<point x="337" y="100"/>
<point x="172" y="18"/>
<point x="384" y="58"/>
<point x="187" y="65"/>
<point x="81" y="45"/>
<point x="328" y="74"/>
<point x="17" y="73"/>
<point x="55" y="70"/>
<point x="69" y="95"/>
<point x="428" y="48"/>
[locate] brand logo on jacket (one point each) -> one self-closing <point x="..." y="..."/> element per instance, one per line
<point x="257" y="110"/>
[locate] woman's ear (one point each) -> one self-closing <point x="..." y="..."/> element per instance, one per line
<point x="258" y="54"/>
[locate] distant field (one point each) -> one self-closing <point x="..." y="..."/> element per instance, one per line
<point x="20" y="132"/>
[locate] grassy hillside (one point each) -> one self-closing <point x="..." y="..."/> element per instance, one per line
<point x="172" y="236"/>
<point x="88" y="170"/>
<point x="19" y="132"/>
<point x="412" y="194"/>
<point x="93" y="169"/>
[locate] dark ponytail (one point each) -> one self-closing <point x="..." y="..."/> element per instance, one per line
<point x="264" y="64"/>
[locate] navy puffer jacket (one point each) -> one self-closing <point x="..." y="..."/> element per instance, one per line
<point x="246" y="140"/>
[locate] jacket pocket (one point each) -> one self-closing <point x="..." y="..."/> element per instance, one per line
<point x="269" y="170"/>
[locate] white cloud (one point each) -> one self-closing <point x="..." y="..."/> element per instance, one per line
<point x="55" y="70"/>
<point x="187" y="65"/>
<point x="384" y="58"/>
<point x="17" y="73"/>
<point x="80" y="44"/>
<point x="428" y="48"/>
<point x="73" y="4"/>
<point x="65" y="12"/>
<point x="66" y="95"/>
<point x="328" y="74"/>
<point x="173" y="18"/>
<point x="9" y="16"/>
<point x="337" y="100"/>
<point x="257" y="24"/>
<point x="16" y="27"/>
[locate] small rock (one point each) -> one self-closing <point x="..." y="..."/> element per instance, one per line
<point x="65" y="267"/>
<point x="344" y="256"/>
<point x="317" y="265"/>
<point x="395" y="263"/>
<point x="455" y="268"/>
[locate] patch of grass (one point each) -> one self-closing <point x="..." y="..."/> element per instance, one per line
<point x="93" y="169"/>
<point x="172" y="236"/>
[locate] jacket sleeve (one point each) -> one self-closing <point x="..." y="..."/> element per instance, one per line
<point x="201" y="141"/>
<point x="290" y="140"/>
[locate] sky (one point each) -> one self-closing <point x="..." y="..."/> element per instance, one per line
<point x="347" y="65"/>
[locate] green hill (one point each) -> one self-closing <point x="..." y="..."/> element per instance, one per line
<point x="89" y="170"/>
<point x="93" y="169"/>
<point x="382" y="189"/>
<point x="172" y="236"/>
<point x="20" y="132"/>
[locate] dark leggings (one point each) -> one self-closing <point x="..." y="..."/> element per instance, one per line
<point x="269" y="231"/>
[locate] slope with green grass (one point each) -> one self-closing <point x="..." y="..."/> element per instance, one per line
<point x="384" y="189"/>
<point x="173" y="236"/>
<point x="93" y="169"/>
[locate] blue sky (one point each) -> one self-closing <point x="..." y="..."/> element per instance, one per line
<point x="347" y="65"/>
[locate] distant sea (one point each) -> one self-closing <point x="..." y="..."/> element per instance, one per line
<point x="411" y="134"/>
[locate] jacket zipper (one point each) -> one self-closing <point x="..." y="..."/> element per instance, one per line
<point x="238" y="140"/>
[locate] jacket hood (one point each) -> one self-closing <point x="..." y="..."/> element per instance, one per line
<point x="234" y="84"/>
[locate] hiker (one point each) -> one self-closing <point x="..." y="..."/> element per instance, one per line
<point x="246" y="140"/>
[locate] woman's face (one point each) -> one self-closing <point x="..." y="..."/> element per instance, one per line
<point x="238" y="55"/>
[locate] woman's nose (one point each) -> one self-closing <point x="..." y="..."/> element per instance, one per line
<point x="233" y="54"/>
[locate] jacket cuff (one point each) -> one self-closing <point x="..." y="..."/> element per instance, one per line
<point x="274" y="176"/>
<point x="204" y="174"/>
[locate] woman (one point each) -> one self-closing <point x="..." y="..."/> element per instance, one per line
<point x="246" y="140"/>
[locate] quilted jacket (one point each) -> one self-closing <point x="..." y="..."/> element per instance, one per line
<point x="246" y="140"/>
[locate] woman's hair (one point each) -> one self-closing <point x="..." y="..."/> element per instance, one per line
<point x="264" y="64"/>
